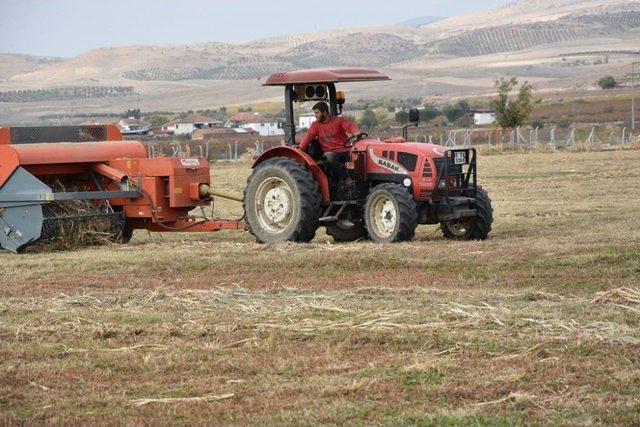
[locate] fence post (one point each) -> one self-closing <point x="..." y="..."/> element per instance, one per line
<point x="552" y="137"/>
<point x="467" y="138"/>
<point x="531" y="137"/>
<point x="520" y="137"/>
<point x="623" y="142"/>
<point x="236" y="146"/>
<point x="230" y="152"/>
<point x="591" y="138"/>
<point x="450" y="139"/>
<point x="571" y="141"/>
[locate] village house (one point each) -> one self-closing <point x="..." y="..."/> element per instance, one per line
<point x="133" y="126"/>
<point x="191" y="123"/>
<point x="256" y="122"/>
<point x="305" y="120"/>
<point x="202" y="134"/>
<point x="483" y="117"/>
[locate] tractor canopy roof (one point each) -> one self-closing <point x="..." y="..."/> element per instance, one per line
<point x="325" y="76"/>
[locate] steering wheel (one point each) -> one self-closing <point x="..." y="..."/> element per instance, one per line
<point x="350" y="142"/>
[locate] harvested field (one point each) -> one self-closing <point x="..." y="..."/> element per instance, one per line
<point x="539" y="324"/>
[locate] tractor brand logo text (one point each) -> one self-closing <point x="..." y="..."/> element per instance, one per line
<point x="389" y="165"/>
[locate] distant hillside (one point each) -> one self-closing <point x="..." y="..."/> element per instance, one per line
<point x="556" y="44"/>
<point x="356" y="49"/>
<point x="12" y="64"/>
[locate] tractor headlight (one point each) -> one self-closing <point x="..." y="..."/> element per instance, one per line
<point x="407" y="182"/>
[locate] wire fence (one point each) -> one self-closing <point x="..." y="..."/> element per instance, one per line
<point x="592" y="138"/>
<point x="555" y="138"/>
<point x="213" y="150"/>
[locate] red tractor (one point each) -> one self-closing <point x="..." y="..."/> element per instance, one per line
<point x="393" y="186"/>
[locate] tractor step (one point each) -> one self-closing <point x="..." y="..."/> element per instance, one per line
<point x="328" y="217"/>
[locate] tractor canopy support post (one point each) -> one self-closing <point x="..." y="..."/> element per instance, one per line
<point x="290" y="125"/>
<point x="333" y="105"/>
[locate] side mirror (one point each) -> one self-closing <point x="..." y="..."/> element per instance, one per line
<point x="414" y="116"/>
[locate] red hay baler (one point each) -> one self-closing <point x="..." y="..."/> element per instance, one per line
<point x="44" y="166"/>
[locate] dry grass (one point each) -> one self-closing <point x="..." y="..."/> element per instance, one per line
<point x="537" y="325"/>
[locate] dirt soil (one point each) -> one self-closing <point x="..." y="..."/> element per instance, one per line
<point x="539" y="324"/>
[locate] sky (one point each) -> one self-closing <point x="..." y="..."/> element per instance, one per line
<point x="69" y="27"/>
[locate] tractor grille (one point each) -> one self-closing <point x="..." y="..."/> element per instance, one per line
<point x="426" y="169"/>
<point x="453" y="169"/>
<point x="42" y="134"/>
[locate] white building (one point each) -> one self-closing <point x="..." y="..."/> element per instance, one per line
<point x="252" y="120"/>
<point x="265" y="128"/>
<point x="132" y="126"/>
<point x="483" y="117"/>
<point x="190" y="124"/>
<point x="305" y="120"/>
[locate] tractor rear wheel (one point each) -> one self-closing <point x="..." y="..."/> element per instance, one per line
<point x="390" y="214"/>
<point x="475" y="228"/>
<point x="282" y="202"/>
<point x="347" y="231"/>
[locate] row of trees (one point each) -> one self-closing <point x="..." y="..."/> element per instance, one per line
<point x="429" y="112"/>
<point x="510" y="111"/>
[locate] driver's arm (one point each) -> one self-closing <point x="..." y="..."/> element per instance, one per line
<point x="311" y="134"/>
<point x="350" y="128"/>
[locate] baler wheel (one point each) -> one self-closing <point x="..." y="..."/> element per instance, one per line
<point x="477" y="228"/>
<point x="390" y="214"/>
<point x="282" y="202"/>
<point x="121" y="232"/>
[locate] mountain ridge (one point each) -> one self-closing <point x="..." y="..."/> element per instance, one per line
<point x="449" y="56"/>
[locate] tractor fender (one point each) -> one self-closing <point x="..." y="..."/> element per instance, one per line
<point x="304" y="159"/>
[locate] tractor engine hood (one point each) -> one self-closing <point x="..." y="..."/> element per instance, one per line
<point x="418" y="148"/>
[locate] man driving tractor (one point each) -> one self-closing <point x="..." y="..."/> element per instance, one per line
<point x="331" y="132"/>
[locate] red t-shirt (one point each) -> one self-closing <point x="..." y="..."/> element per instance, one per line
<point x="332" y="134"/>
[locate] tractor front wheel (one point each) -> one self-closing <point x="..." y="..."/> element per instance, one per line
<point x="390" y="214"/>
<point x="474" y="228"/>
<point x="282" y="202"/>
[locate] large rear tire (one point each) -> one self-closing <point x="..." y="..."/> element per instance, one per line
<point x="475" y="228"/>
<point x="347" y="231"/>
<point x="390" y="214"/>
<point x="282" y="202"/>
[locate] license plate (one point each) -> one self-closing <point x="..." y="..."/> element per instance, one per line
<point x="460" y="157"/>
